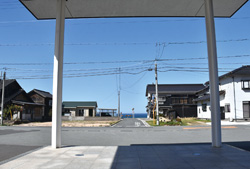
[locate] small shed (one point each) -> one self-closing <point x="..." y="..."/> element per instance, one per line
<point x="82" y="109"/>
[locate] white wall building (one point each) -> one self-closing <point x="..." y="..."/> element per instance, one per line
<point x="79" y="109"/>
<point x="234" y="96"/>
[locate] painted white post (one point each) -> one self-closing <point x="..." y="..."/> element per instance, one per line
<point x="58" y="76"/>
<point x="213" y="75"/>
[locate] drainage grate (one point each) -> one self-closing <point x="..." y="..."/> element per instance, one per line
<point x="196" y="154"/>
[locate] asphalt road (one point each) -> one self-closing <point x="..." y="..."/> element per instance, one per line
<point x="16" y="140"/>
<point x="129" y="122"/>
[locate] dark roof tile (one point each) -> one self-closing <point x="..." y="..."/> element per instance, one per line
<point x="175" y="88"/>
<point x="42" y="93"/>
<point x="79" y="104"/>
<point x="6" y="82"/>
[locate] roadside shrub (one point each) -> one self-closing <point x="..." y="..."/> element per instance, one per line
<point x="18" y="121"/>
<point x="174" y="123"/>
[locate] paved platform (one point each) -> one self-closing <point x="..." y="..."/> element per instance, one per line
<point x="182" y="156"/>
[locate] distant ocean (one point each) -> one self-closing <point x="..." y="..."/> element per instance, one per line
<point x="137" y="115"/>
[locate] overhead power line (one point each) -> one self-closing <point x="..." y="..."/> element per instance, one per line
<point x="115" y="72"/>
<point x="163" y="44"/>
<point x="123" y="61"/>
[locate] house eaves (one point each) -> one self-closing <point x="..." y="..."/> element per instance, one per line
<point x="244" y="70"/>
<point x="207" y="97"/>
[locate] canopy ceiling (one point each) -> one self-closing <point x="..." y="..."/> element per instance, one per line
<point x="46" y="9"/>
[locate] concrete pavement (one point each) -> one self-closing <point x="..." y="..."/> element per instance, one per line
<point x="117" y="143"/>
<point x="185" y="156"/>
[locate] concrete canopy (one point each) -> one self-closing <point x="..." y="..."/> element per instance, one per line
<point x="46" y="9"/>
<point x="59" y="9"/>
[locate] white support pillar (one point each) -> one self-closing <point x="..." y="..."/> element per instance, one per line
<point x="58" y="76"/>
<point x="213" y="75"/>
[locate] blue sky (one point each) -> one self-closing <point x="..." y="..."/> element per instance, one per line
<point x="29" y="45"/>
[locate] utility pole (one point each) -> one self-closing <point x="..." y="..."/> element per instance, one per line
<point x="156" y="95"/>
<point x="119" y="92"/>
<point x="2" y="104"/>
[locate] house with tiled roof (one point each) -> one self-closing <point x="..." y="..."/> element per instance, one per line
<point x="177" y="98"/>
<point x="45" y="99"/>
<point x="79" y="109"/>
<point x="15" y="95"/>
<point x="234" y="93"/>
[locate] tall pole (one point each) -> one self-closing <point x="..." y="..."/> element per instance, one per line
<point x="156" y="95"/>
<point x="235" y="112"/>
<point x="119" y="92"/>
<point x="2" y="104"/>
<point x="58" y="76"/>
<point x="213" y="74"/>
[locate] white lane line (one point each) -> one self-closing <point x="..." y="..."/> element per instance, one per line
<point x="144" y="122"/>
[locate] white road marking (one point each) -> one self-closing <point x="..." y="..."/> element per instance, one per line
<point x="137" y="124"/>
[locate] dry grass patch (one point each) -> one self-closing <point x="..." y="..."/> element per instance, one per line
<point x="74" y="124"/>
<point x="181" y="122"/>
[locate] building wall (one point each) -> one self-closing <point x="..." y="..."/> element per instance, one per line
<point x="181" y="103"/>
<point x="22" y="97"/>
<point x="47" y="102"/>
<point x="48" y="109"/>
<point x="203" y="114"/>
<point x="73" y="113"/>
<point x="236" y="102"/>
<point x="37" y="98"/>
<point x="227" y="84"/>
<point x="83" y="111"/>
<point x="86" y="112"/>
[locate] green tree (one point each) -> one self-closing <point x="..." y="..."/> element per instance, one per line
<point x="10" y="109"/>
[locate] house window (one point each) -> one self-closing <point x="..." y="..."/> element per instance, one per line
<point x="175" y="101"/>
<point x="245" y="84"/>
<point x="227" y="108"/>
<point x="204" y="107"/>
<point x="162" y="99"/>
<point x="81" y="112"/>
<point x="185" y="101"/>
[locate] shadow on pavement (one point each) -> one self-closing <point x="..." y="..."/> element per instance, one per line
<point x="196" y="155"/>
<point x="245" y="145"/>
<point x="8" y="152"/>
